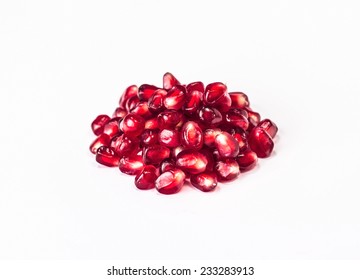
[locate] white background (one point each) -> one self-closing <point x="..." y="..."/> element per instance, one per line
<point x="64" y="62"/>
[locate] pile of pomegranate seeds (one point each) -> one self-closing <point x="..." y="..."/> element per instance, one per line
<point x="165" y="136"/>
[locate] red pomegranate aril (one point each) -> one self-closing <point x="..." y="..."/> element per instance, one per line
<point x="194" y="98"/>
<point x="269" y="126"/>
<point x="152" y="123"/>
<point x="209" y="136"/>
<point x="119" y="113"/>
<point x="191" y="161"/>
<point x="170" y="182"/>
<point x="142" y="110"/>
<point x="260" y="142"/>
<point x="97" y="125"/>
<point x="101" y="140"/>
<point x="145" y="180"/>
<point x="216" y="95"/>
<point x="175" y="151"/>
<point x="227" y="145"/>
<point x="169" y="138"/>
<point x="156" y="101"/>
<point x="169" y="119"/>
<point x="128" y="93"/>
<point x="210" y="158"/>
<point x="107" y="156"/>
<point x="195" y="86"/>
<point x="205" y="181"/>
<point x="247" y="160"/>
<point x="123" y="145"/>
<point x="192" y="136"/>
<point x="175" y="98"/>
<point x="131" y="103"/>
<point x="146" y="91"/>
<point x="239" y="100"/>
<point x="254" y="119"/>
<point x="131" y="165"/>
<point x="169" y="81"/>
<point x="155" y="154"/>
<point x="149" y="138"/>
<point x="132" y="125"/>
<point x="111" y="128"/>
<point x="235" y="117"/>
<point x="227" y="169"/>
<point x="210" y="116"/>
<point x="167" y="164"/>
<point x="240" y="137"/>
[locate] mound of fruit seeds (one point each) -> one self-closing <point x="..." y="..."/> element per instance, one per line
<point x="166" y="136"/>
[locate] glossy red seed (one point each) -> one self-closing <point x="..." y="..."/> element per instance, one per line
<point x="192" y="136"/>
<point x="119" y="113"/>
<point x="149" y="138"/>
<point x="210" y="158"/>
<point x="111" y="128"/>
<point x="175" y="98"/>
<point x="170" y="182"/>
<point x="169" y="138"/>
<point x="169" y="81"/>
<point x="191" y="161"/>
<point x="131" y="165"/>
<point x="227" y="145"/>
<point x="155" y="154"/>
<point x="216" y="95"/>
<point x="247" y="160"/>
<point x="123" y="145"/>
<point x="227" y="169"/>
<point x="269" y="126"/>
<point x="169" y="119"/>
<point x="175" y="151"/>
<point x="156" y="101"/>
<point x="237" y="118"/>
<point x="205" y="182"/>
<point x="145" y="180"/>
<point x="132" y="125"/>
<point x="210" y="116"/>
<point x="152" y="123"/>
<point x="146" y="91"/>
<point x="97" y="125"/>
<point x="241" y="138"/>
<point x="101" y="140"/>
<point x="107" y="156"/>
<point x="141" y="109"/>
<point x="131" y="103"/>
<point x="128" y="93"/>
<point x="239" y="100"/>
<point x="209" y="136"/>
<point x="194" y="98"/>
<point x="260" y="142"/>
<point x="167" y="164"/>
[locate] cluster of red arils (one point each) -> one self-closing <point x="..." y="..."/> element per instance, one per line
<point x="167" y="135"/>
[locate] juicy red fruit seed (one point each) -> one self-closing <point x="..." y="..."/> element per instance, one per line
<point x="107" y="156"/>
<point x="131" y="165"/>
<point x="194" y="98"/>
<point x="239" y="100"/>
<point x="227" y="169"/>
<point x="169" y="119"/>
<point x="131" y="103"/>
<point x="253" y="117"/>
<point x="237" y="118"/>
<point x="123" y="145"/>
<point x="145" y="180"/>
<point x="247" y="160"/>
<point x="205" y="182"/>
<point x="119" y="113"/>
<point x="260" y="142"/>
<point x="102" y="140"/>
<point x="149" y="138"/>
<point x="170" y="182"/>
<point x="175" y="98"/>
<point x="192" y="136"/>
<point x="169" y="138"/>
<point x="146" y="91"/>
<point x="97" y="125"/>
<point x="227" y="145"/>
<point x="155" y="154"/>
<point x="169" y="81"/>
<point x="191" y="161"/>
<point x="111" y="128"/>
<point x="156" y="101"/>
<point x="269" y="126"/>
<point x="132" y="125"/>
<point x="128" y="93"/>
<point x="216" y="95"/>
<point x="210" y="116"/>
<point x="209" y="136"/>
<point x="141" y="109"/>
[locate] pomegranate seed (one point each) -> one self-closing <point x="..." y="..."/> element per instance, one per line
<point x="169" y="119"/>
<point x="146" y="91"/>
<point x="151" y="123"/>
<point x="209" y="136"/>
<point x="210" y="116"/>
<point x="145" y="180"/>
<point x="176" y="151"/>
<point x="239" y="100"/>
<point x="102" y="140"/>
<point x="170" y="182"/>
<point x="131" y="165"/>
<point x="210" y="158"/>
<point x="194" y="98"/>
<point x="128" y="93"/>
<point x="123" y="145"/>
<point x="169" y="81"/>
<point x="141" y="109"/>
<point x="169" y="138"/>
<point x="227" y="169"/>
<point x="237" y="118"/>
<point x="227" y="145"/>
<point x="167" y="164"/>
<point x="97" y="125"/>
<point x="119" y="113"/>
<point x="195" y="86"/>
<point x="205" y="182"/>
<point x="260" y="142"/>
<point x="131" y="103"/>
<point x="111" y="128"/>
<point x="156" y="101"/>
<point x="175" y="98"/>
<point x="192" y="136"/>
<point x="247" y="160"/>
<point x="191" y="161"/>
<point x="241" y="138"/>
<point x="107" y="156"/>
<point x="132" y="125"/>
<point x="149" y="138"/>
<point x="155" y="154"/>
<point x="216" y="95"/>
<point x="269" y="126"/>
